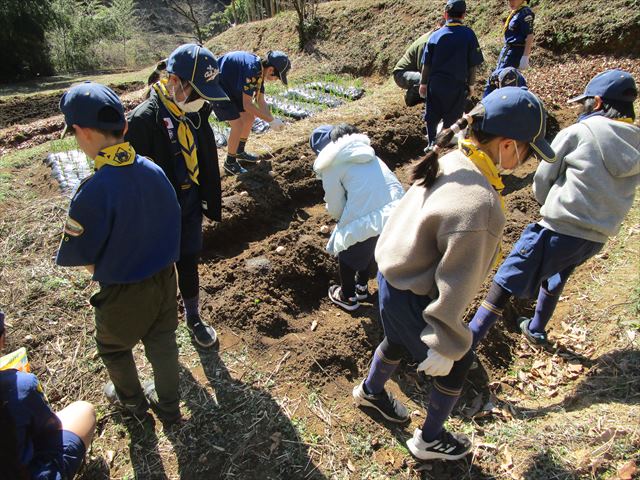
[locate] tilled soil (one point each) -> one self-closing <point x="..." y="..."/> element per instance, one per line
<point x="274" y="306"/>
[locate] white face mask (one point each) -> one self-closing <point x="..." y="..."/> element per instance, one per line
<point x="508" y="170"/>
<point x="188" y="107"/>
<point x="191" y="107"/>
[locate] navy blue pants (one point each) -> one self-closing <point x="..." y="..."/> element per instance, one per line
<point x="542" y="257"/>
<point x="445" y="102"/>
<point x="402" y="321"/>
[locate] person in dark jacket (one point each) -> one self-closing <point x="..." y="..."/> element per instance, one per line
<point x="171" y="128"/>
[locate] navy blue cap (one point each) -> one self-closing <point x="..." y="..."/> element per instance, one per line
<point x="281" y="62"/>
<point x="92" y="105"/>
<point x="456" y="6"/>
<point x="199" y="67"/>
<point x="320" y="137"/>
<point x="616" y="85"/>
<point x="511" y="77"/>
<point x="518" y="114"/>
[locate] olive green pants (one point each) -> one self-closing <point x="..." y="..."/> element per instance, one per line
<point x="145" y="311"/>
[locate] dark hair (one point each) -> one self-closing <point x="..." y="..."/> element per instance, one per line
<point x="110" y="114"/>
<point x="341" y="130"/>
<point x="155" y="75"/>
<point x="454" y="11"/>
<point x="610" y="108"/>
<point x="426" y="172"/>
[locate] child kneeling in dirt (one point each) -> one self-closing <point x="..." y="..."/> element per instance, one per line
<point x="585" y="196"/>
<point x="37" y="442"/>
<point x="434" y="253"/>
<point x="361" y="192"/>
<point x="124" y="227"/>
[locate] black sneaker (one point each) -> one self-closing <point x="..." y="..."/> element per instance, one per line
<point x="383" y="402"/>
<point x="362" y="292"/>
<point x="247" y="157"/>
<point x="139" y="412"/>
<point x="203" y="334"/>
<point x="233" y="167"/>
<point x="445" y="447"/>
<point x="168" y="418"/>
<point x="335" y="295"/>
<point x="534" y="338"/>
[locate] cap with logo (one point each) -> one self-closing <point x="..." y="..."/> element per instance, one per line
<point x="280" y="61"/>
<point x="616" y="85"/>
<point x="199" y="67"/>
<point x="516" y="113"/>
<point x="92" y="105"/>
<point x="320" y="137"/>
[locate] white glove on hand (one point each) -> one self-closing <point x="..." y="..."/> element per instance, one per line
<point x="524" y="63"/>
<point x="422" y="91"/>
<point x="276" y="124"/>
<point x="435" y="364"/>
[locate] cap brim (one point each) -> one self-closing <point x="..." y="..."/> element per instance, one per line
<point x="211" y="92"/>
<point x="283" y="77"/>
<point x="544" y="150"/>
<point x="577" y="99"/>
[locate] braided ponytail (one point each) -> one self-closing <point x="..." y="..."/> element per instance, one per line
<point x="155" y="75"/>
<point x="426" y="172"/>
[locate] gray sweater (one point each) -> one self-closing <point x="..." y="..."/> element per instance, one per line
<point x="588" y="191"/>
<point x="442" y="242"/>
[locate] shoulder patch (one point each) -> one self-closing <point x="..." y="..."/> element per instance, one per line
<point x="73" y="227"/>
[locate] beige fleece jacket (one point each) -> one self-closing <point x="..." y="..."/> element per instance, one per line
<point x="442" y="242"/>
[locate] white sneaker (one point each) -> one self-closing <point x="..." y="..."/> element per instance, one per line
<point x="446" y="447"/>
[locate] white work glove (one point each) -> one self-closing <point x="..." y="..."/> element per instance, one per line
<point x="422" y="91"/>
<point x="524" y="63"/>
<point x="435" y="364"/>
<point x="276" y="124"/>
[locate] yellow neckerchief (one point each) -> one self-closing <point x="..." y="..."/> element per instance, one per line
<point x="185" y="136"/>
<point x="513" y="12"/>
<point x="117" y="155"/>
<point x="625" y="120"/>
<point x="454" y="24"/>
<point x="484" y="163"/>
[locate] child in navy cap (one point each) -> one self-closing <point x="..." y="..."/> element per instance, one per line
<point x="505" y="77"/>
<point x="435" y="251"/>
<point x="124" y="228"/>
<point x="37" y="442"/>
<point x="449" y="64"/>
<point x="585" y="196"/>
<point x="361" y="192"/>
<point x="242" y="75"/>
<point x="171" y="128"/>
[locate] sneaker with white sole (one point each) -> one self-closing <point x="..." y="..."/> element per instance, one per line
<point x="203" y="334"/>
<point x="233" y="167"/>
<point x="446" y="447"/>
<point x="384" y="402"/>
<point x="362" y="292"/>
<point x="335" y="295"/>
<point x="139" y="411"/>
<point x="247" y="157"/>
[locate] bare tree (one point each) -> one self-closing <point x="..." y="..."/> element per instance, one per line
<point x="195" y="12"/>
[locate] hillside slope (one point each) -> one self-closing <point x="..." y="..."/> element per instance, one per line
<point x="364" y="37"/>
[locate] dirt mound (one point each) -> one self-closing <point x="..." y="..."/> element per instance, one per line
<point x="16" y="110"/>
